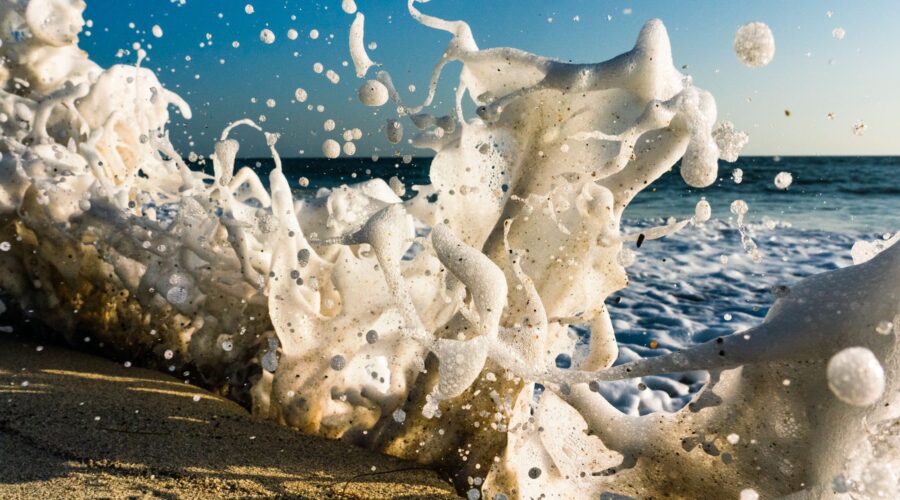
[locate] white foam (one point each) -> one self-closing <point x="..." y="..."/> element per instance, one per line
<point x="373" y="93"/>
<point x="471" y="286"/>
<point x="358" y="53"/>
<point x="855" y="376"/>
<point x="754" y="44"/>
<point x="783" y="180"/>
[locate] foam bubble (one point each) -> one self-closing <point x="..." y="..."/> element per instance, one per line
<point x="754" y="44"/>
<point x="331" y="149"/>
<point x="739" y="207"/>
<point x="729" y="141"/>
<point x="266" y="36"/>
<point x="749" y="494"/>
<point x="373" y="93"/>
<point x="394" y="131"/>
<point x="856" y="377"/>
<point x="783" y="180"/>
<point x="703" y="211"/>
<point x="338" y="362"/>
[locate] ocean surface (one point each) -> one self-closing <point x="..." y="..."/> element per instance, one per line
<point x="700" y="283"/>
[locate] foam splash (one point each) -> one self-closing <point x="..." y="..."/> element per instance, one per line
<point x="754" y="44"/>
<point x="422" y="327"/>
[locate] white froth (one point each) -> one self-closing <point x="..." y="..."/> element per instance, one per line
<point x="754" y="44"/>
<point x="331" y="148"/>
<point x="266" y="36"/>
<point x="703" y="211"/>
<point x="361" y="61"/>
<point x="373" y="93"/>
<point x="348" y="6"/>
<point x="783" y="180"/>
<point x="730" y="141"/>
<point x="749" y="494"/>
<point x="856" y="377"/>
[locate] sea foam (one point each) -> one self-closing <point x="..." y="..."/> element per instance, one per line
<point x="429" y="328"/>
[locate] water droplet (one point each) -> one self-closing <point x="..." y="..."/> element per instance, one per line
<point x="338" y="362"/>
<point x="176" y="295"/>
<point x="267" y="37"/>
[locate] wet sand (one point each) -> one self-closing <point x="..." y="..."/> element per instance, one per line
<point x="78" y="426"/>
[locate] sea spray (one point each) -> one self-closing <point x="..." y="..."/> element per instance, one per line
<point x="317" y="314"/>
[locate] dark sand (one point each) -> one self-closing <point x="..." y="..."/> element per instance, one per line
<point x="153" y="440"/>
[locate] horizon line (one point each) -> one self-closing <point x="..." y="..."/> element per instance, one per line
<point x="363" y="158"/>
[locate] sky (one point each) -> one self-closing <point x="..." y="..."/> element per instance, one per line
<point x="812" y="75"/>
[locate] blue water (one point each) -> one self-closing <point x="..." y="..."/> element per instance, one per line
<point x="844" y="194"/>
<point x="699" y="283"/>
<point x="841" y="194"/>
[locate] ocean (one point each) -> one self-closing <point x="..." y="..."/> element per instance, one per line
<point x="699" y="283"/>
<point x="839" y="194"/>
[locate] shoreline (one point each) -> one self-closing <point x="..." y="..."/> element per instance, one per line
<point x="77" y="426"/>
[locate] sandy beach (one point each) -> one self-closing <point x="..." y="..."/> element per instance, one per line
<point x="78" y="426"/>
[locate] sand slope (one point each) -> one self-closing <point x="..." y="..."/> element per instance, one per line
<point x="78" y="426"/>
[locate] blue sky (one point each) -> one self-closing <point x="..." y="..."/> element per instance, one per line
<point x="812" y="75"/>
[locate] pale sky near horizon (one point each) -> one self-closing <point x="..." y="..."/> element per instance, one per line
<point x="813" y="73"/>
